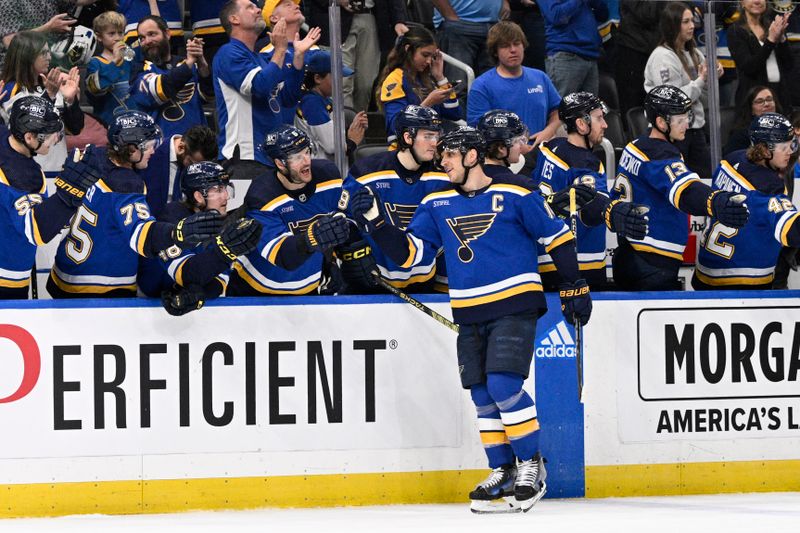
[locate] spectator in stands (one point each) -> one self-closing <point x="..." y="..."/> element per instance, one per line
<point x="527" y="14"/>
<point x="163" y="175"/>
<point x="290" y="13"/>
<point x="637" y="36"/>
<point x="27" y="71"/>
<point x="204" y="16"/>
<point x="526" y="91"/>
<point x="760" y="50"/>
<point x="573" y="43"/>
<point x="314" y="111"/>
<point x="414" y="74"/>
<point x="136" y="11"/>
<point x="462" y="27"/>
<point x="170" y="88"/>
<point x="360" y="49"/>
<point x="108" y="74"/>
<point x="388" y="14"/>
<point x="47" y="17"/>
<point x="758" y="101"/>
<point x="677" y="62"/>
<point x="250" y="89"/>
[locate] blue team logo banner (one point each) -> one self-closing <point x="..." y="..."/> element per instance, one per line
<point x="560" y="412"/>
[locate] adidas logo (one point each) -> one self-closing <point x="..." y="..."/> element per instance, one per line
<point x="557" y="343"/>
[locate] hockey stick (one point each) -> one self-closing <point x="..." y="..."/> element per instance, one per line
<point x="573" y="217"/>
<point x="416" y="303"/>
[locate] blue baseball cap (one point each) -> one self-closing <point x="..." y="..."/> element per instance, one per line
<point x="320" y="63"/>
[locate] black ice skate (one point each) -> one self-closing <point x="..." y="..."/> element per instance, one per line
<point x="495" y="494"/>
<point x="530" y="485"/>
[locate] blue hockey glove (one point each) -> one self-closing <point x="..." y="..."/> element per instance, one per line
<point x="576" y="303"/>
<point x="366" y="210"/>
<point x="325" y="232"/>
<point x="729" y="208"/>
<point x="559" y="201"/>
<point x="627" y="219"/>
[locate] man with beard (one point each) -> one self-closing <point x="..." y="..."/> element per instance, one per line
<point x="297" y="202"/>
<point x="251" y="90"/>
<point x="171" y="89"/>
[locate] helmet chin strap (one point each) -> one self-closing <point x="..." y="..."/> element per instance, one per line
<point x="414" y="152"/>
<point x="467" y="168"/>
<point x="287" y="174"/>
<point x="588" y="119"/>
<point x="668" y="130"/>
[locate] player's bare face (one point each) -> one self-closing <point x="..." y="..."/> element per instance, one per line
<point x="147" y="153"/>
<point x="515" y="150"/>
<point x="599" y="127"/>
<point x="678" y="125"/>
<point x="217" y="198"/>
<point x="452" y="165"/>
<point x="423" y="58"/>
<point x="299" y="166"/>
<point x="510" y="56"/>
<point x="425" y="145"/>
<point x="782" y="153"/>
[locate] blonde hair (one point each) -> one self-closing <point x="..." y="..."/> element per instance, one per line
<point x="110" y="20"/>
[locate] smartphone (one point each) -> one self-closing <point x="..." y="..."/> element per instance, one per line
<point x="458" y="85"/>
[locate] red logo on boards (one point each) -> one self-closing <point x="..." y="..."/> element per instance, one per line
<point x="32" y="361"/>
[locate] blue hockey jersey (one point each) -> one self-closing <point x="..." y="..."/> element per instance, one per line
<point x="558" y="164"/>
<point x="251" y="93"/>
<point x="288" y="110"/>
<point x="107" y="235"/>
<point x="22" y="187"/>
<point x="652" y="172"/>
<point x="284" y="214"/>
<point x="108" y="87"/>
<point x="747" y="256"/>
<point x="489" y="239"/>
<point x="400" y="190"/>
<point x="174" y="114"/>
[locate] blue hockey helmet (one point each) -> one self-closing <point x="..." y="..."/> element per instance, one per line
<point x="133" y="127"/>
<point x="414" y="118"/>
<point x="499" y="125"/>
<point x="203" y="176"/>
<point x="578" y="105"/>
<point x="284" y="141"/>
<point x="463" y="139"/>
<point x="771" y="129"/>
<point x="34" y="114"/>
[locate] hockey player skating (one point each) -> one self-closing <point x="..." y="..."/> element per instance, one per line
<point x="29" y="218"/>
<point x="113" y="225"/>
<point x="496" y="302"/>
<point x="651" y="171"/>
<point x="746" y="258"/>
<point x="403" y="177"/>
<point x="295" y="201"/>
<point x="560" y="164"/>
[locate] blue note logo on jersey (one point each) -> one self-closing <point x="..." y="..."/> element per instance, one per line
<point x="557" y="342"/>
<point x="469" y="228"/>
<point x="400" y="214"/>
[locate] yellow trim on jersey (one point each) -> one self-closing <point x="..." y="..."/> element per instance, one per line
<point x="502" y="295"/>
<point x="493" y="438"/>
<point x="325" y="185"/>
<point x="557" y="160"/>
<point x="548" y="267"/>
<point x="209" y="30"/>
<point x="638" y="152"/>
<point x="160" y="89"/>
<point x="650" y="249"/>
<point x="392" y="87"/>
<point x="680" y="190"/>
<point x="37" y="236"/>
<point x="260" y="288"/>
<point x="735" y="173"/>
<point x="3" y="178"/>
<point x="786" y="227"/>
<point x="522" y="191"/>
<point x="14" y="284"/>
<point x="593" y="265"/>
<point x="273" y="254"/>
<point x="378" y="174"/>
<point x="727" y="63"/>
<point x="140" y="242"/>
<point x="179" y="273"/>
<point x="520" y="430"/>
<point x="421" y="278"/>
<point x="102" y="185"/>
<point x="412" y="253"/>
<point x="762" y="280"/>
<point x="558" y="241"/>
<point x="91" y="289"/>
<point x="275" y="201"/>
